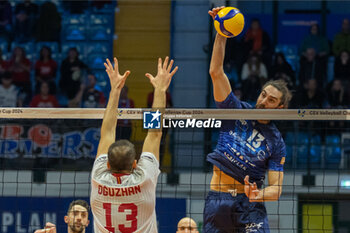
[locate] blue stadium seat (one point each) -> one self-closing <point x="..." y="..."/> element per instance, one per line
<point x="100" y="33"/>
<point x="69" y="19"/>
<point x="332" y="151"/>
<point x="99" y="19"/>
<point x="308" y="145"/>
<point x="96" y="61"/>
<point x="76" y="33"/>
<point x="102" y="47"/>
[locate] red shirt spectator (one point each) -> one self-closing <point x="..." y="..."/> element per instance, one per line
<point x="44" y="100"/>
<point x="46" y="67"/>
<point x="19" y="66"/>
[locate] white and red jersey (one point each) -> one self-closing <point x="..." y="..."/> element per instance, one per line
<point x="125" y="202"/>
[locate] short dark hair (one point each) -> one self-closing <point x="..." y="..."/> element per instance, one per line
<point x="121" y="155"/>
<point x="281" y="86"/>
<point x="78" y="202"/>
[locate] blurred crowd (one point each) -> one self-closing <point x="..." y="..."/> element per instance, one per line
<point x="253" y="60"/>
<point x="68" y="78"/>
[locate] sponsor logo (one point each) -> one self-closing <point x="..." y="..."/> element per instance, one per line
<point x="301" y="112"/>
<point x="192" y="123"/>
<point x="151" y="120"/>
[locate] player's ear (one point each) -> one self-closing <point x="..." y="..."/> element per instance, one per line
<point x="134" y="164"/>
<point x="108" y="165"/>
<point x="66" y="219"/>
<point x="280" y="107"/>
<point x="87" y="223"/>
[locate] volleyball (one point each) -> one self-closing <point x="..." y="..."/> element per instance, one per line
<point x="229" y="22"/>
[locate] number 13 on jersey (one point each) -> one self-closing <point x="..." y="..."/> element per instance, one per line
<point x="129" y="223"/>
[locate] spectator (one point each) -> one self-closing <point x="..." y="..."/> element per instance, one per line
<point x="8" y="92"/>
<point x="342" y="39"/>
<point x="256" y="40"/>
<point x="254" y="75"/>
<point x="45" y="69"/>
<point x="337" y="95"/>
<point x="310" y="96"/>
<point x="311" y="68"/>
<point x="5" y="20"/>
<point x="316" y="41"/>
<point x="71" y="74"/>
<point x="26" y="13"/>
<point x="281" y="69"/>
<point x="342" y="67"/>
<point x="124" y="126"/>
<point x="19" y="66"/>
<point x="48" y="26"/>
<point x="187" y="225"/>
<point x="44" y="99"/>
<point x="92" y="98"/>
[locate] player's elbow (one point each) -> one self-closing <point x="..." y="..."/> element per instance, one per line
<point x="215" y="72"/>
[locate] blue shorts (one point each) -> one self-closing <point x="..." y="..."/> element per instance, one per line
<point x="224" y="213"/>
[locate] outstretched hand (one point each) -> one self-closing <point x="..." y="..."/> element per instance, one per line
<point x="251" y="189"/>
<point x="213" y="12"/>
<point x="117" y="80"/>
<point x="164" y="74"/>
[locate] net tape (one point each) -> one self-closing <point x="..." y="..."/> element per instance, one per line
<point x="178" y="113"/>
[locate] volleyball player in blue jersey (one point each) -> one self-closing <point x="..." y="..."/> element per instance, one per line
<point x="246" y="151"/>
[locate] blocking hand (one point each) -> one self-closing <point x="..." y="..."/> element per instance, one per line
<point x="164" y="74"/>
<point x="117" y="80"/>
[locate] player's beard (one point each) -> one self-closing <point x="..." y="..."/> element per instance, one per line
<point x="77" y="228"/>
<point x="260" y="106"/>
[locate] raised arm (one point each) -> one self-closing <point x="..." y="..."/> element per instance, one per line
<point x="160" y="83"/>
<point x="109" y="122"/>
<point x="221" y="84"/>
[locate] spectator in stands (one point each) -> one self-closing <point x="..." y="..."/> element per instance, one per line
<point x="72" y="69"/>
<point x="19" y="66"/>
<point x="257" y="41"/>
<point x="342" y="39"/>
<point x="5" y="20"/>
<point x="124" y="126"/>
<point x="45" y="70"/>
<point x="44" y="99"/>
<point x="342" y="67"/>
<point x="91" y="97"/>
<point x="187" y="225"/>
<point x="9" y="93"/>
<point x="254" y="75"/>
<point x="316" y="41"/>
<point x="337" y="95"/>
<point x="281" y="69"/>
<point x="48" y="26"/>
<point x="26" y="13"/>
<point x="310" y="96"/>
<point x="311" y="68"/>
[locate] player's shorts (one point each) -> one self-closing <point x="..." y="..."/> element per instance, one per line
<point x="224" y="213"/>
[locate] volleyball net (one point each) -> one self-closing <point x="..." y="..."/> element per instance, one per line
<point x="46" y="156"/>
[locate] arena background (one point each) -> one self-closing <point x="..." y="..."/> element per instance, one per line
<point x="39" y="177"/>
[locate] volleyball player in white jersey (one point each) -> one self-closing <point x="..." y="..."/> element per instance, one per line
<point x="123" y="190"/>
